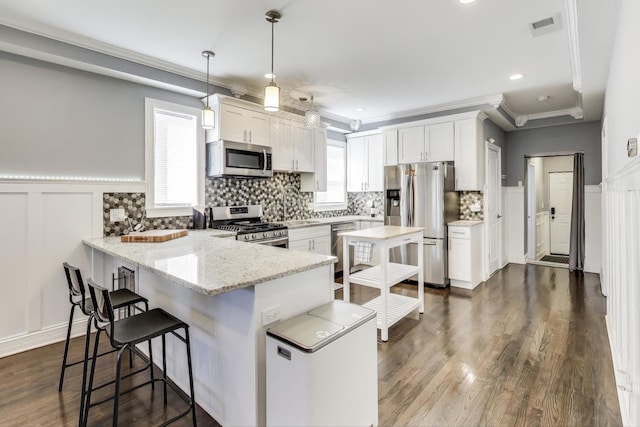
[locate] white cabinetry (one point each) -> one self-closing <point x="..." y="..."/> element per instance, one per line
<point x="469" y="154"/>
<point x="365" y="163"/>
<point x="244" y="125"/>
<point x="317" y="181"/>
<point x="465" y="256"/>
<point x="316" y="239"/>
<point x="431" y="143"/>
<point x="390" y="141"/>
<point x="292" y="145"/>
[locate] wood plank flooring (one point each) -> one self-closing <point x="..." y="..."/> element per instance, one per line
<point x="529" y="347"/>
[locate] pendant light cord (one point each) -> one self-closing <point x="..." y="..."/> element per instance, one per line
<point x="272" y="48"/>
<point x="208" y="61"/>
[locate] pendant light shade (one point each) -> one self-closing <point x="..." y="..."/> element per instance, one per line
<point x="208" y="117"/>
<point x="312" y="117"/>
<point x="272" y="91"/>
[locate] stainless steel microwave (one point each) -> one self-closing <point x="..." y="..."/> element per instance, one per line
<point x="227" y="158"/>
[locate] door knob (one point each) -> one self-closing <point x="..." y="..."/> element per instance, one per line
<point x="499" y="216"/>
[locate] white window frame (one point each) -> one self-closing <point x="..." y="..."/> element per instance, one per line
<point x="151" y="210"/>
<point x="324" y="207"/>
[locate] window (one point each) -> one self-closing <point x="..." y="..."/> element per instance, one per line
<point x="174" y="159"/>
<point x="335" y="198"/>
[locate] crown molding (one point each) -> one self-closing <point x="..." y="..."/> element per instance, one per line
<point x="472" y="102"/>
<point x="574" y="43"/>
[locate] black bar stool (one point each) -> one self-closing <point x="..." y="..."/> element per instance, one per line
<point x="120" y="298"/>
<point x="125" y="333"/>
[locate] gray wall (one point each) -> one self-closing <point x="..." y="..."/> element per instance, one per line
<point x="577" y="137"/>
<point x="60" y="121"/>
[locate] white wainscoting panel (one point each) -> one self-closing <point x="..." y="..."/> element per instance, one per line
<point x="43" y="224"/>
<point x="13" y="264"/>
<point x="592" y="228"/>
<point x="514" y="219"/>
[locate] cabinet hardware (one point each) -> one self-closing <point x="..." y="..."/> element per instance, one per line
<point x="314" y="244"/>
<point x="297" y="165"/>
<point x="244" y="138"/>
<point x="249" y="136"/>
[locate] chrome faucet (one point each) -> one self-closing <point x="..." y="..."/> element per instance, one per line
<point x="285" y="189"/>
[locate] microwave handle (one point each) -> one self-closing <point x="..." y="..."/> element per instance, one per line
<point x="264" y="160"/>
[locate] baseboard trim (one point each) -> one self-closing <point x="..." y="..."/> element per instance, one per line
<point x="622" y="402"/>
<point x="29" y="341"/>
<point x="517" y="260"/>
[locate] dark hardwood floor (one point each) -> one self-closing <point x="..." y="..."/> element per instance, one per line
<point x="529" y="347"/>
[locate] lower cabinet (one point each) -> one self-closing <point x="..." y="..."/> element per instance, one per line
<point x="465" y="256"/>
<point x="316" y="239"/>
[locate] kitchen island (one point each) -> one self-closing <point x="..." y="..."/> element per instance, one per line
<point x="227" y="291"/>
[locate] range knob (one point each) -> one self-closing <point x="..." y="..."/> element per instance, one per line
<point x="265" y="234"/>
<point x="246" y="237"/>
<point x="253" y="236"/>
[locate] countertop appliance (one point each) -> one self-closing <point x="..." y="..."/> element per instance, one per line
<point x="336" y="245"/>
<point x="423" y="195"/>
<point x="228" y="158"/>
<point x="246" y="222"/>
<point x="322" y="368"/>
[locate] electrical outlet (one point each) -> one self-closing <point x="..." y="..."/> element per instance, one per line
<point x="271" y="315"/>
<point x="116" y="215"/>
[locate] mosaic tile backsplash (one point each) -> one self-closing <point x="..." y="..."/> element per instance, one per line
<point x="467" y="198"/>
<point x="272" y="193"/>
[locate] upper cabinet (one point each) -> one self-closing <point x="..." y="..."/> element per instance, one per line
<point x="430" y="143"/>
<point x="390" y="141"/>
<point x="292" y="145"/>
<point x="244" y="125"/>
<point x="365" y="164"/>
<point x="317" y="181"/>
<point x="469" y="154"/>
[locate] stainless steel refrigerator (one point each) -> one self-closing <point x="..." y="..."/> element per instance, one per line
<point x="423" y="195"/>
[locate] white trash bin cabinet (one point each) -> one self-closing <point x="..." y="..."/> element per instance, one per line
<point x="322" y="368"/>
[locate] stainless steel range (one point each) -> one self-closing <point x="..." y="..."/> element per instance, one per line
<point x="246" y="222"/>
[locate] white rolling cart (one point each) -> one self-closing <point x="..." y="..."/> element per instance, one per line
<point x="389" y="307"/>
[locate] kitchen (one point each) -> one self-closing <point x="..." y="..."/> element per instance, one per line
<point x="61" y="213"/>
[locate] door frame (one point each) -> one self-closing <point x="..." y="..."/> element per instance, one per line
<point x="489" y="146"/>
<point x="531" y="211"/>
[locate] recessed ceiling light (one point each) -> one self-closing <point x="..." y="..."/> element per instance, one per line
<point x="516" y="76"/>
<point x="543" y="98"/>
<point x="466" y="1"/>
<point x="270" y="76"/>
<point x="360" y="109"/>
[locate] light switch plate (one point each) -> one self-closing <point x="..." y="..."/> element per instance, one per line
<point x="116" y="215"/>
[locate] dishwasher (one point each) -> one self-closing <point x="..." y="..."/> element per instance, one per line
<point x="336" y="244"/>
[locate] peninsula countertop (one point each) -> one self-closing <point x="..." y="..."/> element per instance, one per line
<point x="211" y="265"/>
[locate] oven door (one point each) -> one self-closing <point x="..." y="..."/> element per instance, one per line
<point x="279" y="242"/>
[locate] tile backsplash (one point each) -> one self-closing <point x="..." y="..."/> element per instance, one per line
<point x="270" y="193"/>
<point x="468" y="198"/>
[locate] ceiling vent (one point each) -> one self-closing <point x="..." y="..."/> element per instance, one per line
<point x="545" y="26"/>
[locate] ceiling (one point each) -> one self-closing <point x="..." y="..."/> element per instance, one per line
<point x="392" y="59"/>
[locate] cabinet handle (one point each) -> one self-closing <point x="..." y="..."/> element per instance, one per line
<point x="297" y="165"/>
<point x="314" y="244"/>
<point x="244" y="138"/>
<point x="309" y="244"/>
<point x="249" y="136"/>
<point x="292" y="165"/>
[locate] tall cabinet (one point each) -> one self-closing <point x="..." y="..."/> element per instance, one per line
<point x="365" y="166"/>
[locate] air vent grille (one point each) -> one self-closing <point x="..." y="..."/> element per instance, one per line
<point x="545" y="26"/>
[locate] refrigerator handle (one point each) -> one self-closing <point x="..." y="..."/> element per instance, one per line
<point x="409" y="218"/>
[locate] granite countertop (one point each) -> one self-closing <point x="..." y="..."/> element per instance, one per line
<point x="209" y="265"/>
<point x="464" y="223"/>
<point x="312" y="222"/>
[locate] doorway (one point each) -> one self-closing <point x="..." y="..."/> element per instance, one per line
<point x="549" y="184"/>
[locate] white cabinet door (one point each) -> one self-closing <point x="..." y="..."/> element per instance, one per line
<point x="469" y="155"/>
<point x="303" y="148"/>
<point x="440" y="142"/>
<point x="375" y="165"/>
<point x="356" y="164"/>
<point x="411" y="145"/>
<point x="321" y="245"/>
<point x="390" y="140"/>
<point x="459" y="260"/>
<point x="282" y="144"/>
<point x="232" y="123"/>
<point x="300" y="245"/>
<point x="317" y="181"/>
<point x="258" y="126"/>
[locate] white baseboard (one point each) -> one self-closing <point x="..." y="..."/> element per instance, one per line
<point x="517" y="260"/>
<point x="20" y="343"/>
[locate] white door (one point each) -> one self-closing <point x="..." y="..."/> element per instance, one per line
<point x="232" y="123"/>
<point x="356" y="164"/>
<point x="375" y="168"/>
<point x="493" y="208"/>
<point x="440" y="142"/>
<point x="560" y="197"/>
<point x="411" y="145"/>
<point x="258" y="128"/>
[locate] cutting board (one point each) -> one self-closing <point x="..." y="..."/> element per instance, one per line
<point x="154" y="236"/>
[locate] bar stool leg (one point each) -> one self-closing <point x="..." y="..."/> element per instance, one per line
<point x="193" y="399"/>
<point x="116" y="397"/>
<point x="130" y="350"/>
<point x="164" y="367"/>
<point x="66" y="348"/>
<point x="87" y="342"/>
<point x="85" y="417"/>
<point x="151" y="365"/>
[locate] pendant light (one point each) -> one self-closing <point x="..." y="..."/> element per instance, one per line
<point x="208" y="118"/>
<point x="272" y="91"/>
<point x="312" y="117"/>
